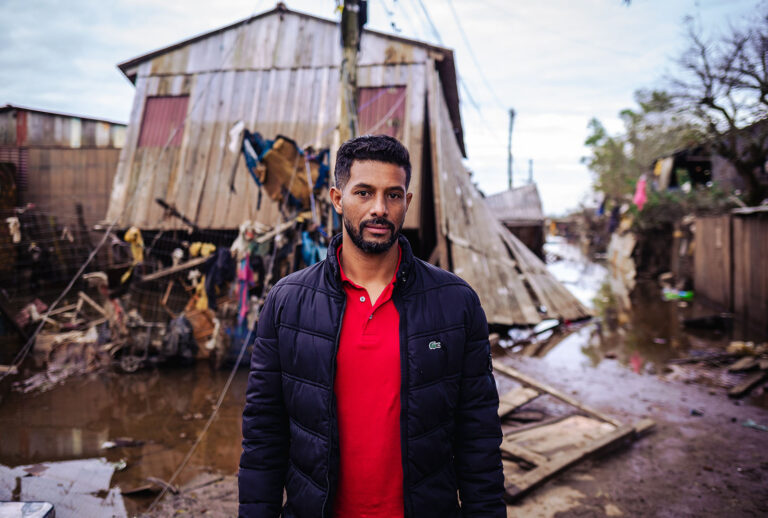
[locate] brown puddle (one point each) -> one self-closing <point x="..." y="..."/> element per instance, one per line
<point x="163" y="409"/>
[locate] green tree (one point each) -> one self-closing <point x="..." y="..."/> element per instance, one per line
<point x="651" y="130"/>
<point x="722" y="84"/>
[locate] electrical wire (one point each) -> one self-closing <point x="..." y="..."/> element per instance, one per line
<point x="474" y="56"/>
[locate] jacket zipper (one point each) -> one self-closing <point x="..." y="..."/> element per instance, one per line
<point x="330" y="408"/>
<point x="403" y="404"/>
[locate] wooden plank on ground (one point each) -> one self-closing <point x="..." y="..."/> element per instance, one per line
<point x="748" y="384"/>
<point x="509" y="447"/>
<point x="743" y="364"/>
<point x="516" y="398"/>
<point x="518" y="486"/>
<point x="527" y="380"/>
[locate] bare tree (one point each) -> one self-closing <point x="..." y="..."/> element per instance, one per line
<point x="723" y="84"/>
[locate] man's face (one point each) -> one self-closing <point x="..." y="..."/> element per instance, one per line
<point x="373" y="204"/>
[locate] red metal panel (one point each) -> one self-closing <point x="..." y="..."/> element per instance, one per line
<point x="162" y="117"/>
<point x="381" y="110"/>
<point x="21" y="127"/>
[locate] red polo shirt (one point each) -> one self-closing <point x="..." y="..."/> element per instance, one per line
<point x="368" y="400"/>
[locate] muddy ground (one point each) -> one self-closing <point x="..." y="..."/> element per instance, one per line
<point x="689" y="465"/>
<point x="700" y="460"/>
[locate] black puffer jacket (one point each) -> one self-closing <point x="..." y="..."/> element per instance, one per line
<point x="450" y="433"/>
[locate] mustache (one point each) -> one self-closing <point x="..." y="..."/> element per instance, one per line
<point x="379" y="222"/>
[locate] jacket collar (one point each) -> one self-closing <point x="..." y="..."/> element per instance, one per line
<point x="333" y="270"/>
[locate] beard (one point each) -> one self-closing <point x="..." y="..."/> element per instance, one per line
<point x="367" y="246"/>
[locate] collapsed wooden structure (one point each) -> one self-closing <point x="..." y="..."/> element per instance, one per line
<point x="534" y="453"/>
<point x="277" y="73"/>
<point x="520" y="210"/>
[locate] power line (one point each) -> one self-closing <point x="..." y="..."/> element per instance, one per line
<point x="473" y="56"/>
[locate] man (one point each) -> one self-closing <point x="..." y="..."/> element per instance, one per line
<point x="371" y="393"/>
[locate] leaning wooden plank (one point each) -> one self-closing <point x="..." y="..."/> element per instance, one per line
<point x="515" y="398"/>
<point x="745" y="386"/>
<point x="743" y="364"/>
<point x="62" y="309"/>
<point x="526" y="380"/>
<point x="509" y="447"/>
<point x="521" y="485"/>
<point x="275" y="231"/>
<point x="92" y="303"/>
<point x="197" y="261"/>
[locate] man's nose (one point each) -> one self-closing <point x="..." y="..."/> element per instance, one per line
<point x="379" y="207"/>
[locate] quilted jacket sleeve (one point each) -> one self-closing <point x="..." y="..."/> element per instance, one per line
<point x="477" y="454"/>
<point x="264" y="460"/>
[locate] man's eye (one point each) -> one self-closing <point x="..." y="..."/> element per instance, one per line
<point x="362" y="193"/>
<point x="395" y="195"/>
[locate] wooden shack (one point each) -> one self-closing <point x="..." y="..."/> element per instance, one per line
<point x="731" y="263"/>
<point x="278" y="73"/>
<point x="519" y="210"/>
<point x="56" y="160"/>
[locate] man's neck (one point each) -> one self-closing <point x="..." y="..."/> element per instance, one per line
<point x="371" y="271"/>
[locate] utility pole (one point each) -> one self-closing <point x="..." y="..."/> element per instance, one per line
<point x="530" y="171"/>
<point x="353" y="17"/>
<point x="509" y="148"/>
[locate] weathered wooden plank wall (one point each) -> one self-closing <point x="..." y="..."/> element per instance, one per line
<point x="59" y="178"/>
<point x="513" y="284"/>
<point x="279" y="75"/>
<point x="712" y="260"/>
<point x="477" y="254"/>
<point x="750" y="268"/>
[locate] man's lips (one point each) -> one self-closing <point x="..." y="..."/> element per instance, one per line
<point x="378" y="229"/>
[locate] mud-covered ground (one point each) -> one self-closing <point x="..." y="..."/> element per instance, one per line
<point x="689" y="465"/>
<point x="700" y="459"/>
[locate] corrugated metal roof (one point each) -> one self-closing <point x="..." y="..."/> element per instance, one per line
<point x="9" y="107"/>
<point x="522" y="204"/>
<point x="305" y="46"/>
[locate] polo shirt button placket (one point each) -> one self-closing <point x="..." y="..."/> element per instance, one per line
<point x="362" y="299"/>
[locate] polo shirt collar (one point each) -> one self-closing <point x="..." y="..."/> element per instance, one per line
<point x="344" y="277"/>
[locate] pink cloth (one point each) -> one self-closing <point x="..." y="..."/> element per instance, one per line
<point x="245" y="281"/>
<point x="640" y="196"/>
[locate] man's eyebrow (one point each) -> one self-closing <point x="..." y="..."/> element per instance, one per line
<point x="370" y="187"/>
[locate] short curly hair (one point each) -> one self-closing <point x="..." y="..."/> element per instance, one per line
<point x="381" y="148"/>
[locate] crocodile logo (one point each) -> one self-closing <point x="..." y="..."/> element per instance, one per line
<point x="435" y="345"/>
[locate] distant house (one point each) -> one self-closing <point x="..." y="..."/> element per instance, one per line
<point x="278" y="74"/>
<point x="701" y="163"/>
<point x="55" y="160"/>
<point x="519" y="209"/>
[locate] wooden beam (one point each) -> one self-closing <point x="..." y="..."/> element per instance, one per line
<point x="526" y="380"/>
<point x="92" y="303"/>
<point x="515" y="398"/>
<point x="197" y="261"/>
<point x="745" y="386"/>
<point x="509" y="447"/>
<point x="744" y="364"/>
<point x="62" y="309"/>
<point x="528" y="481"/>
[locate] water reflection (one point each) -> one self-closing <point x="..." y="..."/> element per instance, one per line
<point x="641" y="333"/>
<point x="164" y="409"/>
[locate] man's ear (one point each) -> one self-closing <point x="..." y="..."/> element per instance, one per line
<point x="408" y="198"/>
<point x="336" y="199"/>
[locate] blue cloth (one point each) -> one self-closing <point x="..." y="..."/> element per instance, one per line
<point x="311" y="252"/>
<point x="450" y="431"/>
<point x="253" y="148"/>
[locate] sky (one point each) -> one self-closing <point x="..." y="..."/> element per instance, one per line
<point x="557" y="63"/>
